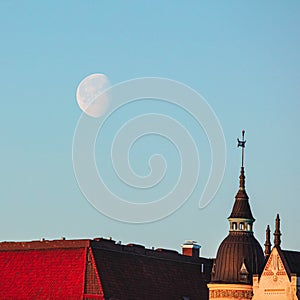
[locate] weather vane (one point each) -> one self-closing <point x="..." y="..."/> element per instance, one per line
<point x="242" y="144"/>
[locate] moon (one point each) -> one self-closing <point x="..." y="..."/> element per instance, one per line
<point x="92" y="96"/>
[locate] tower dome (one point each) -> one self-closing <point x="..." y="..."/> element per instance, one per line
<point x="239" y="255"/>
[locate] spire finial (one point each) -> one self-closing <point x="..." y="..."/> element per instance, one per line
<point x="268" y="243"/>
<point x="277" y="233"/>
<point x="241" y="143"/>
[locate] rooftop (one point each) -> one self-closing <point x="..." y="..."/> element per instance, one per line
<point x="99" y="269"/>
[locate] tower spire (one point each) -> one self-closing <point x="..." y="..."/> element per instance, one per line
<point x="268" y="243"/>
<point x="242" y="143"/>
<point x="277" y="233"/>
<point x="241" y="208"/>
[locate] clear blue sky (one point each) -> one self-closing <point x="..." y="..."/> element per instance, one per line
<point x="242" y="56"/>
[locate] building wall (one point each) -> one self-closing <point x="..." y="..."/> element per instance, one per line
<point x="230" y="291"/>
<point x="274" y="282"/>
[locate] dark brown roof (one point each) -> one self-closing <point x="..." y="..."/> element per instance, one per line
<point x="99" y="269"/>
<point x="292" y="259"/>
<point x="237" y="248"/>
<point x="134" y="276"/>
<point x="241" y="207"/>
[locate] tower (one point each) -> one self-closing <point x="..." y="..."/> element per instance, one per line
<point x="268" y="244"/>
<point x="239" y="255"/>
<point x="277" y="233"/>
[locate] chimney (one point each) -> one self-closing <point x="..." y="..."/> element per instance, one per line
<point x="191" y="248"/>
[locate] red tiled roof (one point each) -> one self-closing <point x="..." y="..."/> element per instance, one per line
<point x="98" y="269"/>
<point x="42" y="274"/>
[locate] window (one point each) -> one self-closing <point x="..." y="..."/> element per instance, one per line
<point x="243" y="277"/>
<point x="202" y="268"/>
<point x="242" y="226"/>
<point x="244" y="273"/>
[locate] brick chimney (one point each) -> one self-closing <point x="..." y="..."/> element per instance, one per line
<point x="191" y="248"/>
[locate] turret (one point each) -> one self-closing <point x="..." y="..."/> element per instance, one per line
<point x="268" y="243"/>
<point x="241" y="218"/>
<point x="277" y="233"/>
<point x="239" y="255"/>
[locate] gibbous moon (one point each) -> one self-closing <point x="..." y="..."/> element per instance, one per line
<point x="91" y="95"/>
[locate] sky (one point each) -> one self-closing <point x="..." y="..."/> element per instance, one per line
<point x="241" y="56"/>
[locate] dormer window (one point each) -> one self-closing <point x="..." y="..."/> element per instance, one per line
<point x="244" y="273"/>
